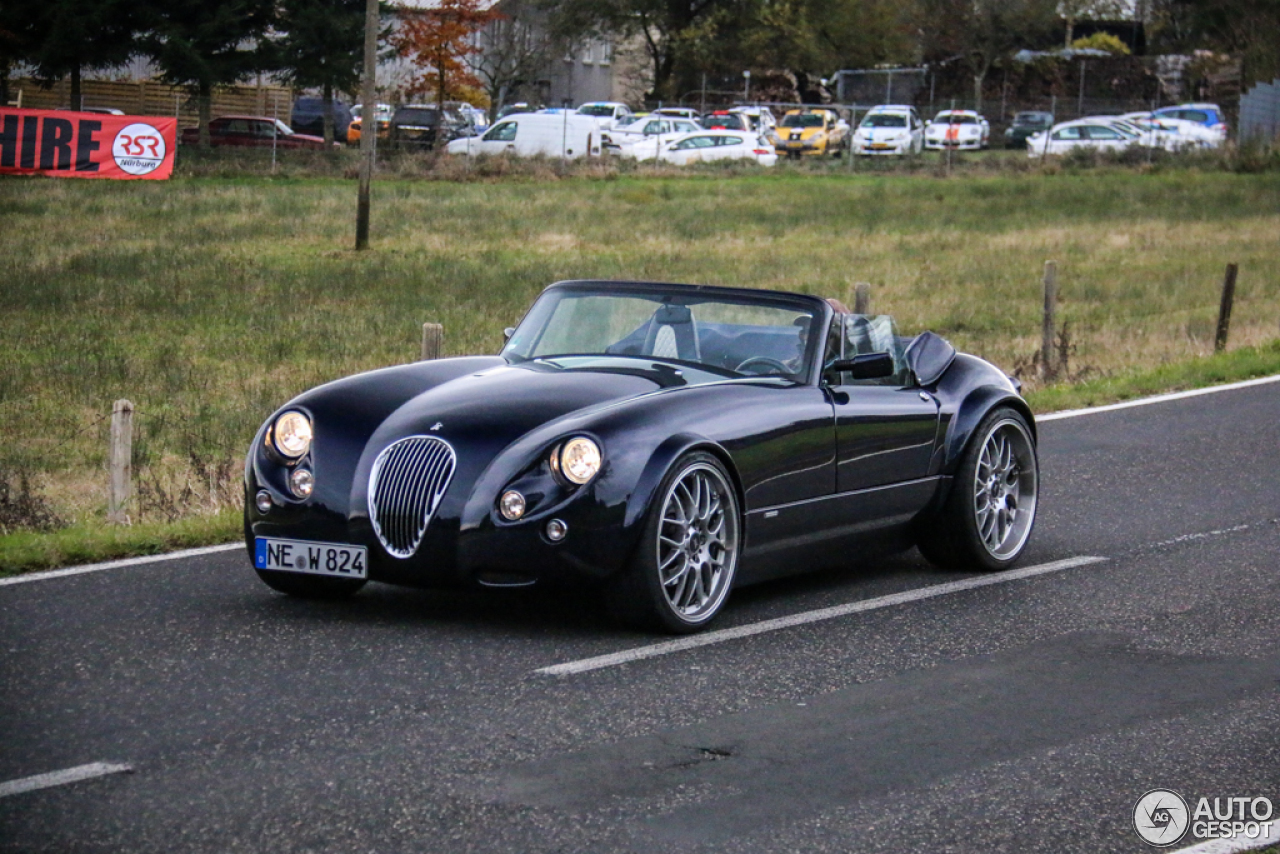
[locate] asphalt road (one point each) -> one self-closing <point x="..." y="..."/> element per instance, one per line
<point x="1027" y="715"/>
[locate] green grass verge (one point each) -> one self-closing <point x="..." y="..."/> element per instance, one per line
<point x="1242" y="364"/>
<point x="90" y="542"/>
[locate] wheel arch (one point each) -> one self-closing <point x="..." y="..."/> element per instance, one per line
<point x="975" y="407"/>
<point x="661" y="461"/>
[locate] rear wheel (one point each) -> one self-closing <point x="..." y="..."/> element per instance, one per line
<point x="987" y="519"/>
<point x="310" y="586"/>
<point x="685" y="564"/>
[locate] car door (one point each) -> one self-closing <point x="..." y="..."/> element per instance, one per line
<point x="1063" y="140"/>
<point x="886" y="427"/>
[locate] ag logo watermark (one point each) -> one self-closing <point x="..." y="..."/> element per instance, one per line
<point x="1162" y="818"/>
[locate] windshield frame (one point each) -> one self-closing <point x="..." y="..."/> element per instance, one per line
<point x="532" y="324"/>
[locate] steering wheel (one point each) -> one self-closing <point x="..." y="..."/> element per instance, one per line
<point x="764" y="361"/>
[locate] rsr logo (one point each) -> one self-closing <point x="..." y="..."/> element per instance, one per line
<point x="138" y="149"/>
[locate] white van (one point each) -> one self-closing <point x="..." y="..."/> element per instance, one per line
<point x="526" y="134"/>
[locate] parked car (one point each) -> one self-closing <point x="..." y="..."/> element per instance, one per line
<point x="707" y="145"/>
<point x="102" y="111"/>
<point x="1024" y="125"/>
<point x="518" y="107"/>
<point x="725" y="120"/>
<point x="815" y="132"/>
<point x="1208" y="115"/>
<point x="761" y="118"/>
<point x="889" y="129"/>
<point x="608" y="114"/>
<point x="1176" y="134"/>
<point x="659" y="444"/>
<point x="1084" y="134"/>
<point x="957" y="129"/>
<point x="527" y="134"/>
<point x="308" y="117"/>
<point x="676" y="112"/>
<point x="252" y="132"/>
<point x="382" y="116"/>
<point x="424" y="126"/>
<point x="620" y="140"/>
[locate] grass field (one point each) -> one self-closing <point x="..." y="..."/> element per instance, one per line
<point x="209" y="301"/>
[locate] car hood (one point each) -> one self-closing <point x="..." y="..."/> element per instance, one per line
<point x="497" y="405"/>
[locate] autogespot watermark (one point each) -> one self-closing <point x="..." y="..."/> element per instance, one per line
<point x="1163" y="817"/>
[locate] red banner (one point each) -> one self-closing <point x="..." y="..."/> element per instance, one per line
<point x="86" y="145"/>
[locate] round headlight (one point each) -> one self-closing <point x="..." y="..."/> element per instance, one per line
<point x="293" y="434"/>
<point x="580" y="459"/>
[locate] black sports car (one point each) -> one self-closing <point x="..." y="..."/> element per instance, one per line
<point x="662" y="442"/>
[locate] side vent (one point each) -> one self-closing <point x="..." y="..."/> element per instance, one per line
<point x="405" y="487"/>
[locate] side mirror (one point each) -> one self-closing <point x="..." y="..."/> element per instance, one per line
<point x="507" y="333"/>
<point x="865" y="366"/>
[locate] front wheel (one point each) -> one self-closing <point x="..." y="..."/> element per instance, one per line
<point x="987" y="519"/>
<point x="684" y="566"/>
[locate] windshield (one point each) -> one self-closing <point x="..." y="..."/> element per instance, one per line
<point x="728" y="334"/>
<point x="599" y="110"/>
<point x="955" y="119"/>
<point x="803" y="120"/>
<point x="885" y="120"/>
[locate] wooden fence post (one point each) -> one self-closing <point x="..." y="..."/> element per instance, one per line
<point x="432" y="340"/>
<point x="862" y="298"/>
<point x="1224" y="309"/>
<point x="1048" y="369"/>
<point x="121" y="462"/>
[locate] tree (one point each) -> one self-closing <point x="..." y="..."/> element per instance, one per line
<point x="1245" y="29"/>
<point x="982" y="32"/>
<point x="323" y="46"/>
<point x="439" y="40"/>
<point x="63" y="37"/>
<point x="674" y="32"/>
<point x="515" y="46"/>
<point x="202" y="45"/>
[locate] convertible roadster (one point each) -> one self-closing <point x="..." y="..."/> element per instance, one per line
<point x="660" y="443"/>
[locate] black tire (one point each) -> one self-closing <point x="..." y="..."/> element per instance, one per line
<point x="683" y="569"/>
<point x="306" y="586"/>
<point x="987" y="519"/>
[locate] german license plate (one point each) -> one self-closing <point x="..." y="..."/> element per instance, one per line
<point x="334" y="559"/>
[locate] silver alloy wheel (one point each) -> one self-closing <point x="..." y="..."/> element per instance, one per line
<point x="697" y="542"/>
<point x="1004" y="489"/>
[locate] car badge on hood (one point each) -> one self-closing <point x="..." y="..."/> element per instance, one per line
<point x="436" y="426"/>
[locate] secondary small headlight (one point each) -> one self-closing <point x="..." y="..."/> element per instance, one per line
<point x="512" y="505"/>
<point x="301" y="482"/>
<point x="580" y="459"/>
<point x="293" y="434"/>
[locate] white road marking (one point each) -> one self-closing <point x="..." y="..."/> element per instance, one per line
<point x="117" y="564"/>
<point x="1160" y="398"/>
<point x="708" y="638"/>
<point x="61" y="778"/>
<point x="1233" y="846"/>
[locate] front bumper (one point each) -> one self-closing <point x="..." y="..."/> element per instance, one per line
<point x="488" y="552"/>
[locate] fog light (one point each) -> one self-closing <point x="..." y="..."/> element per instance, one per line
<point x="301" y="482"/>
<point x="511" y="505"/>
<point x="264" y="502"/>
<point x="556" y="530"/>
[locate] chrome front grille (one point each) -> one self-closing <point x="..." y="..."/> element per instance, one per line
<point x="405" y="487"/>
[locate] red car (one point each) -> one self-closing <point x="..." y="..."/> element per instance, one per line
<point x="252" y="132"/>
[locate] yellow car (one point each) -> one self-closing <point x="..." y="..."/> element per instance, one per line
<point x="382" y="116"/>
<point x="814" y="131"/>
